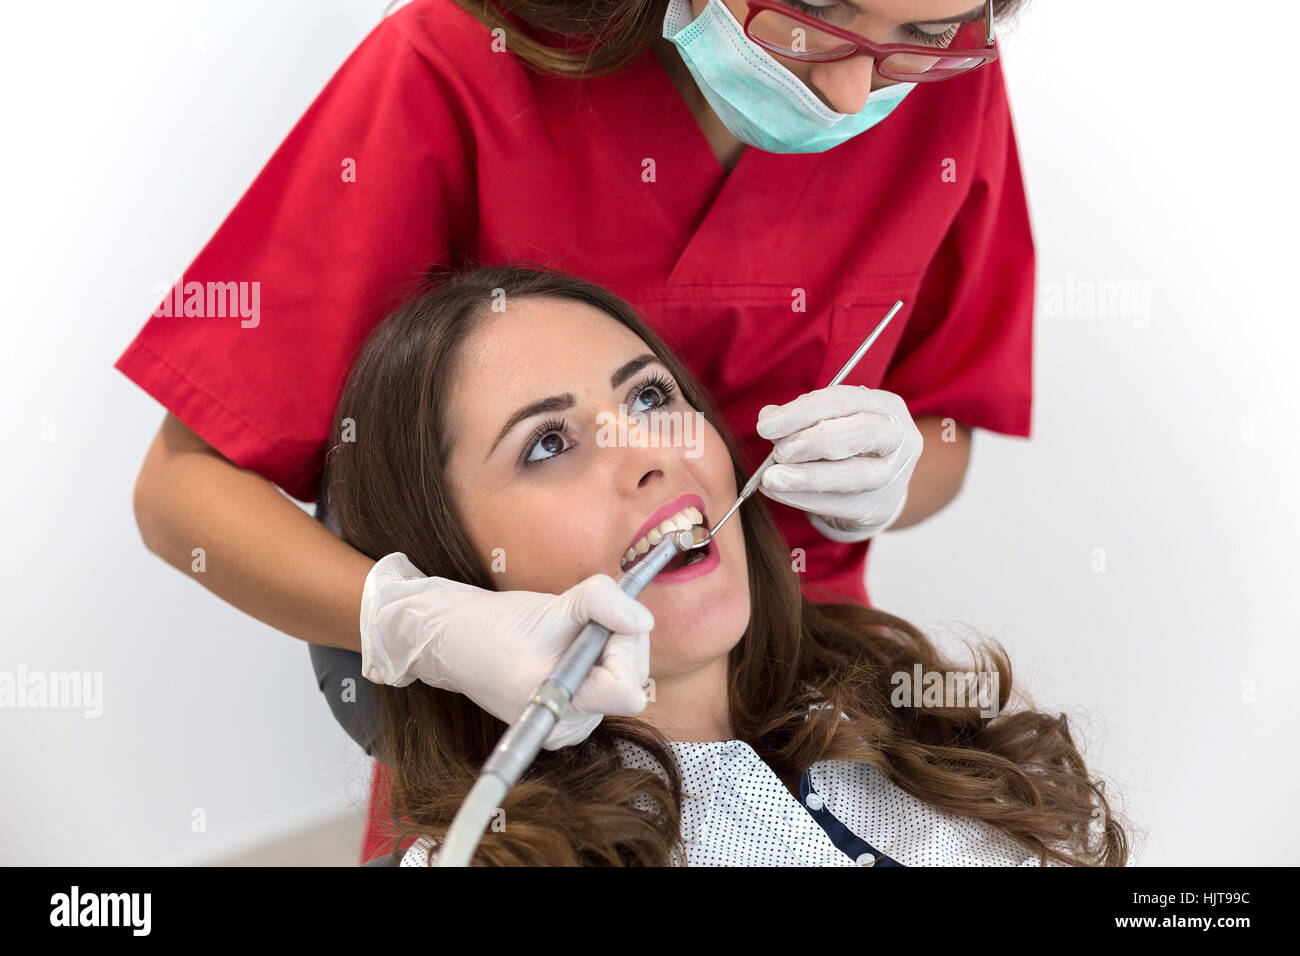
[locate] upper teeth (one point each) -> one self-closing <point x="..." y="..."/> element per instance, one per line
<point x="682" y="521"/>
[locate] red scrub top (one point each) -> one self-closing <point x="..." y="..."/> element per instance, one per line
<point x="427" y="144"/>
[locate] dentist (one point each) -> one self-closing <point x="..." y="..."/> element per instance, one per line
<point x="762" y="179"/>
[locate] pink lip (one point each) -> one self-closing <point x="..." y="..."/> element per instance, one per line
<point x="665" y="512"/>
<point x="696" y="570"/>
<point x="699" y="568"/>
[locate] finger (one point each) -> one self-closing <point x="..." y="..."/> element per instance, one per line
<point x="573" y="728"/>
<point x="866" y="433"/>
<point x="847" y="476"/>
<point x="614" y="685"/>
<point x="839" y="506"/>
<point x="599" y="599"/>
<point x="643" y="656"/>
<point x="834" y="401"/>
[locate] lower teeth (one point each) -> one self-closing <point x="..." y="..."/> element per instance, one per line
<point x="694" y="556"/>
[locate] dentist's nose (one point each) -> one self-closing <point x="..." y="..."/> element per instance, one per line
<point x="845" y="84"/>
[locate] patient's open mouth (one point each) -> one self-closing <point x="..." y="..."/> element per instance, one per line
<point x="681" y="520"/>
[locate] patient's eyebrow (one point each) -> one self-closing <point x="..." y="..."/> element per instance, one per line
<point x="565" y="400"/>
<point x="628" y="369"/>
<point x="553" y="403"/>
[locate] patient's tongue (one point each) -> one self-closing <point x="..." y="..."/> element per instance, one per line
<point x="681" y="560"/>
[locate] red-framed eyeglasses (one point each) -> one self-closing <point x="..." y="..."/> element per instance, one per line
<point x="790" y="32"/>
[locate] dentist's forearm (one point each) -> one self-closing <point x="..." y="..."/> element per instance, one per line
<point x="939" y="471"/>
<point x="261" y="552"/>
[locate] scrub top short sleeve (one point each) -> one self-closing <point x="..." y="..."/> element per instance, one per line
<point x="967" y="351"/>
<point x="354" y="204"/>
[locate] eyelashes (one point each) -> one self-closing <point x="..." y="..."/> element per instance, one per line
<point x="932" y="39"/>
<point x="554" y="426"/>
<point x="820" y="12"/>
<point x="658" y="381"/>
<point x="913" y="34"/>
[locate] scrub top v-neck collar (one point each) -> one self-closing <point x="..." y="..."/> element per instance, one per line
<point x="655" y="65"/>
<point x="647" y="118"/>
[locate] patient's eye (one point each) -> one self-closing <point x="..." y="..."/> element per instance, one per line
<point x="659" y="384"/>
<point x="551" y="439"/>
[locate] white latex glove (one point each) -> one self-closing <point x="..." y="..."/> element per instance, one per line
<point x="495" y="647"/>
<point x="844" y="456"/>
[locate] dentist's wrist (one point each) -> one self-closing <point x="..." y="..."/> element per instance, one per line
<point x="847" y="531"/>
<point x="399" y="633"/>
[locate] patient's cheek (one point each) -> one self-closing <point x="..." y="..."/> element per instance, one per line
<point x="718" y="462"/>
<point x="551" y="563"/>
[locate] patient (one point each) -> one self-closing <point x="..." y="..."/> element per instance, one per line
<point x="776" y="733"/>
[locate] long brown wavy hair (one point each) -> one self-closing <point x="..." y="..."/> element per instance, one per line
<point x="799" y="665"/>
<point x="579" y="38"/>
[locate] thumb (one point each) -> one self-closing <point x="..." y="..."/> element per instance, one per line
<point x="573" y="728"/>
<point x="599" y="599"/>
<point x="615" y="685"/>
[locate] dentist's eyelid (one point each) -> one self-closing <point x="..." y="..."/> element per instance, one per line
<point x="976" y="13"/>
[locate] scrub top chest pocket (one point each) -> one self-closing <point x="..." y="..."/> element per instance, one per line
<point x="852" y="317"/>
<point x="754" y="347"/>
<point x="750" y="345"/>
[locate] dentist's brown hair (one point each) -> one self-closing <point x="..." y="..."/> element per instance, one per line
<point x="798" y="666"/>
<point x="585" y="38"/>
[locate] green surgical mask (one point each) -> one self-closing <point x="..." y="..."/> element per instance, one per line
<point x="759" y="100"/>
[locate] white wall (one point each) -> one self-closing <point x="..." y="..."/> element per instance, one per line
<point x="138" y="126"/>
<point x="1163" y="436"/>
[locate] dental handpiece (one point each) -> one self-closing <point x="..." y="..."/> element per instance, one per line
<point x="519" y="745"/>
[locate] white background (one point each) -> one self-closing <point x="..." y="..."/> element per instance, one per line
<point x="1166" y="439"/>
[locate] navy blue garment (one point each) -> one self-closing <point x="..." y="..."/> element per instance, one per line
<point x="841" y="835"/>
